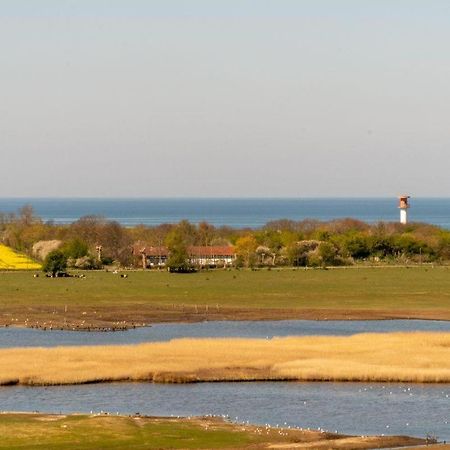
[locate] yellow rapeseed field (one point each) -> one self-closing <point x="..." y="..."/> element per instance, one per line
<point x="390" y="357"/>
<point x="10" y="260"/>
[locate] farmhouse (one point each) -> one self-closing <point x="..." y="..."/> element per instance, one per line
<point x="208" y="255"/>
<point x="213" y="255"/>
<point x="150" y="256"/>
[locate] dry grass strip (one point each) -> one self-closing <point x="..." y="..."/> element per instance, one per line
<point x="393" y="357"/>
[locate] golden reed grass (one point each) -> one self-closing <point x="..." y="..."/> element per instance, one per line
<point x="396" y="357"/>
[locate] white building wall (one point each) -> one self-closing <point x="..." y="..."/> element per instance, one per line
<point x="403" y="216"/>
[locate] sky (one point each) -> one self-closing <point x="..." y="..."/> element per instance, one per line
<point x="224" y="98"/>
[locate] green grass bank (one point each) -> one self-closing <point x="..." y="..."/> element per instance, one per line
<point x="59" y="432"/>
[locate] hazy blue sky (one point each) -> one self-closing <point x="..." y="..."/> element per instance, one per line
<point x="224" y="98"/>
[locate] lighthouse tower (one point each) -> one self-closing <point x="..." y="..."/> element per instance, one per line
<point x="404" y="206"/>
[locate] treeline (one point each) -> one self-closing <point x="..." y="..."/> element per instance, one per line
<point x="281" y="242"/>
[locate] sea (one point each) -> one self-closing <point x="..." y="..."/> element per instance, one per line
<point x="233" y="212"/>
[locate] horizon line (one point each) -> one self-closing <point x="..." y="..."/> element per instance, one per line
<point x="322" y="197"/>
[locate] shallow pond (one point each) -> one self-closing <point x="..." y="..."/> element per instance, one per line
<point x="24" y="337"/>
<point x="354" y="408"/>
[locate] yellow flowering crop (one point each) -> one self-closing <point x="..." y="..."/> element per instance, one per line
<point x="10" y="260"/>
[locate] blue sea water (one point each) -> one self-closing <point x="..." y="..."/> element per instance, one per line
<point x="242" y="212"/>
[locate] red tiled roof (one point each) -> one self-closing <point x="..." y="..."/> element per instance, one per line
<point x="213" y="250"/>
<point x="195" y="251"/>
<point x="149" y="250"/>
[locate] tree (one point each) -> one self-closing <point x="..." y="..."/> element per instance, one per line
<point x="205" y="233"/>
<point x="381" y="246"/>
<point x="75" y="248"/>
<point x="26" y="215"/>
<point x="87" y="263"/>
<point x="264" y="253"/>
<point x="55" y="262"/>
<point x="327" y="253"/>
<point x="356" y="245"/>
<point x="302" y="253"/>
<point x="272" y="240"/>
<point x="178" y="252"/>
<point x="188" y="232"/>
<point x="116" y="242"/>
<point x="297" y="254"/>
<point x="246" y="250"/>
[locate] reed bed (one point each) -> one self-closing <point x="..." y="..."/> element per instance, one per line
<point x="393" y="357"/>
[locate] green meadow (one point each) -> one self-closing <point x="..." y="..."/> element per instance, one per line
<point x="390" y="288"/>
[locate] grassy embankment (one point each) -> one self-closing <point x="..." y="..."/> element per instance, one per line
<point x="10" y="260"/>
<point x="31" y="431"/>
<point x="393" y="357"/>
<point x="103" y="299"/>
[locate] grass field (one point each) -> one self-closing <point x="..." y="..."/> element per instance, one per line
<point x="10" y="260"/>
<point x="103" y="298"/>
<point x="382" y="288"/>
<point x="384" y="357"/>
<point x="56" y="432"/>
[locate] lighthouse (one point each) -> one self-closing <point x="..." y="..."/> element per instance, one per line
<point x="404" y="206"/>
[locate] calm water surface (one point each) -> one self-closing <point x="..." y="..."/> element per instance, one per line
<point x="24" y="337"/>
<point x="354" y="408"/>
<point x="243" y="212"/>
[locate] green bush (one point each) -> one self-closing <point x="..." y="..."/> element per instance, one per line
<point x="357" y="246"/>
<point x="327" y="253"/>
<point x="55" y="262"/>
<point x="75" y="248"/>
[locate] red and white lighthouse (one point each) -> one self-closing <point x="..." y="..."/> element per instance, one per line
<point x="404" y="206"/>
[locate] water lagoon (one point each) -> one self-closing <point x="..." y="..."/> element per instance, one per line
<point x="353" y="408"/>
<point x="25" y="337"/>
